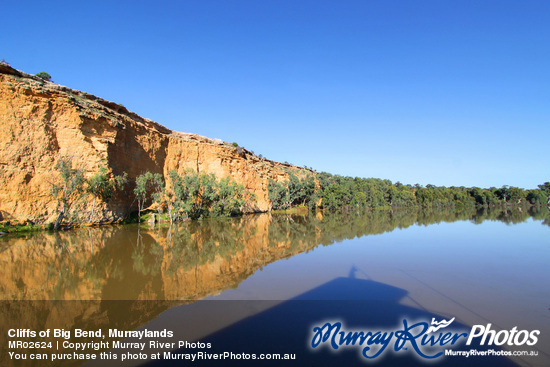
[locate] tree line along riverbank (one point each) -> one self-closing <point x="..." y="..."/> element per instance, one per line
<point x="195" y="195"/>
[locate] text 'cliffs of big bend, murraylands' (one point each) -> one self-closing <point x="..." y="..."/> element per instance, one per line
<point x="42" y="122"/>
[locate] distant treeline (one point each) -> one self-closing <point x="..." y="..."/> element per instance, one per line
<point x="334" y="192"/>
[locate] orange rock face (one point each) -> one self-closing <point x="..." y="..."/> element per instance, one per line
<point x="42" y="122"/>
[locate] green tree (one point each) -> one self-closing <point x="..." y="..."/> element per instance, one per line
<point x="200" y="195"/>
<point x="293" y="191"/>
<point x="536" y="197"/>
<point x="159" y="192"/>
<point x="68" y="189"/>
<point x="101" y="185"/>
<point x="545" y="187"/>
<point x="178" y="198"/>
<point x="143" y="185"/>
<point x="278" y="194"/>
<point x="208" y="194"/>
<point x="511" y="194"/>
<point x="43" y="75"/>
<point x="503" y="193"/>
<point x="517" y="195"/>
<point x="229" y="198"/>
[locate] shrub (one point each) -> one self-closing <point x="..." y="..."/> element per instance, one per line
<point x="67" y="189"/>
<point x="101" y="185"/>
<point x="43" y="75"/>
<point x="200" y="195"/>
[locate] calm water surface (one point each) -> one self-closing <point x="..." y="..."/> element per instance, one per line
<point x="480" y="267"/>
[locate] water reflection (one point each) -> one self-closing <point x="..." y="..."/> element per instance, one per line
<point x="191" y="260"/>
<point x="284" y="328"/>
<point x="124" y="277"/>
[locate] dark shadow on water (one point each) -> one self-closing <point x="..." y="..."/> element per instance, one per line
<point x="359" y="304"/>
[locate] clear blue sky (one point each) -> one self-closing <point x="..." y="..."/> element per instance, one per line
<point x="429" y="92"/>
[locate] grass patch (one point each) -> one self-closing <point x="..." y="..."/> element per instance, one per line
<point x="8" y="228"/>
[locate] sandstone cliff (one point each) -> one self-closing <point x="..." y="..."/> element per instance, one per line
<point x="42" y="122"/>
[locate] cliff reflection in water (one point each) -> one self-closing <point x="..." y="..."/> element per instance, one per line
<point x="124" y="277"/>
<point x="191" y="260"/>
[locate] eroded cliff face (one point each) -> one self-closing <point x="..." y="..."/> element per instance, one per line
<point x="42" y="122"/>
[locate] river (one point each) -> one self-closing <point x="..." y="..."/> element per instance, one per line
<point x="262" y="283"/>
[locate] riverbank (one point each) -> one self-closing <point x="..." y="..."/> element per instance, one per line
<point x="151" y="218"/>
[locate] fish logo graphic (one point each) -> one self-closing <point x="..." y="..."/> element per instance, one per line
<point x="439" y="325"/>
